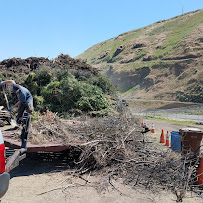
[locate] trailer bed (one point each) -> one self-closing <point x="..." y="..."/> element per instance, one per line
<point x="13" y="144"/>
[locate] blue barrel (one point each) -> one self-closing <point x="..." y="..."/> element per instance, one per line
<point x="175" y="141"/>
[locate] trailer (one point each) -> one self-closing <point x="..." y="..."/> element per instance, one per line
<point x="12" y="151"/>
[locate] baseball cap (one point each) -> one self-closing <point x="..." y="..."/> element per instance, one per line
<point x="15" y="87"/>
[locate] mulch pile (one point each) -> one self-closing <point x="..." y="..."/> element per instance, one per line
<point x="18" y="65"/>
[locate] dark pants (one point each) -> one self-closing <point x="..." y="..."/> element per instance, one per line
<point x="25" y="130"/>
<point x="24" y="106"/>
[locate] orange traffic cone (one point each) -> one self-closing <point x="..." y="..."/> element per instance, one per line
<point x="167" y="139"/>
<point x="200" y="172"/>
<point x="162" y="137"/>
<point x="153" y="129"/>
<point x="142" y="123"/>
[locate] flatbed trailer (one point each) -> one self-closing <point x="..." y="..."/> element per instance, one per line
<point x="14" y="154"/>
<point x="16" y="151"/>
<point x="13" y="144"/>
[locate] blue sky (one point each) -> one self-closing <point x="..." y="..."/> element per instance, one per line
<point x="47" y="28"/>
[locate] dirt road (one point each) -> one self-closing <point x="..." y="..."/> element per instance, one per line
<point x="52" y="188"/>
<point x="167" y="126"/>
<point x="43" y="178"/>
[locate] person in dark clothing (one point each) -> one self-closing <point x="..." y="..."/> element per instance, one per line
<point x="25" y="99"/>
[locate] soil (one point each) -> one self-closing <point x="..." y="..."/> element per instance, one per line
<point x="19" y="66"/>
<point x="48" y="188"/>
<point x="43" y="178"/>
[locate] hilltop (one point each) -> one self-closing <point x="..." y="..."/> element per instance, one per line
<point x="161" y="61"/>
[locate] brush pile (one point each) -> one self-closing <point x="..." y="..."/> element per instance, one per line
<point x="4" y="116"/>
<point x="117" y="147"/>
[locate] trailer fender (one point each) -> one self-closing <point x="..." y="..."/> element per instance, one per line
<point x="4" y="183"/>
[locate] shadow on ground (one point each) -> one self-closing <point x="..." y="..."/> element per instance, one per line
<point x="39" y="163"/>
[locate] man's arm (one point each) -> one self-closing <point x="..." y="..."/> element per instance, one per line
<point x="17" y="104"/>
<point x="9" y="81"/>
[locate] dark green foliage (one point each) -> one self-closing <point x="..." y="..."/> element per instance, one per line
<point x="51" y="93"/>
<point x="92" y="99"/>
<point x="38" y="102"/>
<point x="63" y="74"/>
<point x="31" y="83"/>
<point x="61" y="91"/>
<point x="43" y="76"/>
<point x="105" y="84"/>
<point x="69" y="93"/>
<point x="1" y="77"/>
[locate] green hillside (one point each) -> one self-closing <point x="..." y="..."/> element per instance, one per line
<point x="161" y="61"/>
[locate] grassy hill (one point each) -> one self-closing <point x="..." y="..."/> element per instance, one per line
<point x="161" y="61"/>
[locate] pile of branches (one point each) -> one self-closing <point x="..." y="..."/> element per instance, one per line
<point x="4" y="116"/>
<point x="118" y="147"/>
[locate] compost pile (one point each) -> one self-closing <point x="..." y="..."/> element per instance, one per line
<point x="24" y="66"/>
<point x="117" y="147"/>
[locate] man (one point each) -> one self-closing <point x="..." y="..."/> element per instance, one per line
<point x="25" y="99"/>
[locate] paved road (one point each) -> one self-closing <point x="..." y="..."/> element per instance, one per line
<point x="185" y="117"/>
<point x="168" y="114"/>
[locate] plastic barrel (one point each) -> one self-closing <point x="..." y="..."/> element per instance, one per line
<point x="175" y="141"/>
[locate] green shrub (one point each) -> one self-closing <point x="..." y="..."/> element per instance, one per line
<point x="31" y="83"/>
<point x="63" y="74"/>
<point x="93" y="103"/>
<point x="43" y="76"/>
<point x="51" y="93"/>
<point x="38" y="102"/>
<point x="105" y="84"/>
<point x="69" y="93"/>
<point x="1" y="77"/>
<point x="64" y="92"/>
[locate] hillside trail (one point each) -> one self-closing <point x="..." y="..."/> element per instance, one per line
<point x="45" y="180"/>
